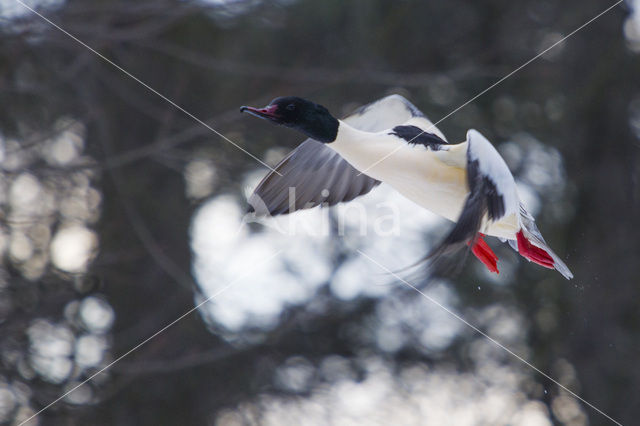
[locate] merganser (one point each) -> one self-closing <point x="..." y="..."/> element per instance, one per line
<point x="391" y="141"/>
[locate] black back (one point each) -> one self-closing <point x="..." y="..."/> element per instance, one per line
<point x="416" y="136"/>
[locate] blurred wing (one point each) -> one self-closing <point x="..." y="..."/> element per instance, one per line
<point x="389" y="112"/>
<point x="314" y="174"/>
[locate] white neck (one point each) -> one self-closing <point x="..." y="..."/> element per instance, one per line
<point x="348" y="135"/>
<point x="362" y="149"/>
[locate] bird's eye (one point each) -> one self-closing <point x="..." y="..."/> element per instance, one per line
<point x="291" y="107"/>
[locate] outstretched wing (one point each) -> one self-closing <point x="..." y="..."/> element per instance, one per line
<point x="311" y="174"/>
<point x="492" y="194"/>
<point x="389" y="112"/>
<point x="493" y="197"/>
<point x="314" y="174"/>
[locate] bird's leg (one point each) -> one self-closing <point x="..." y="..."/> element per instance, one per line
<point x="533" y="253"/>
<point x="483" y="252"/>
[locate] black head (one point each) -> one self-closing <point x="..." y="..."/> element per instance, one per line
<point x="305" y="116"/>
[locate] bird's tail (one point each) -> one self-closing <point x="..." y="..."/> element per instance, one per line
<point x="533" y="247"/>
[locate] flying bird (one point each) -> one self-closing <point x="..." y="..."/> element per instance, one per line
<point x="391" y="141"/>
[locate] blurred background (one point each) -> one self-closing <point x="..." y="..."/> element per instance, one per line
<point x="119" y="213"/>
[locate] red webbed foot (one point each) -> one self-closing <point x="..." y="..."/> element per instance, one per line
<point x="483" y="252"/>
<point x="533" y="253"/>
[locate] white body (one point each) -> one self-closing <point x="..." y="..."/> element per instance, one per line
<point x="435" y="180"/>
